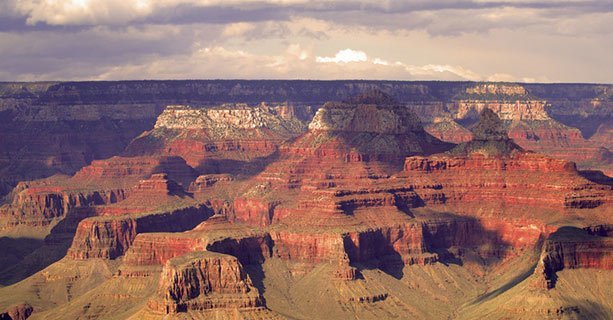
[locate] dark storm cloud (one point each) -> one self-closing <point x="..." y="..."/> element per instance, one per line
<point x="190" y="13"/>
<point x="350" y="11"/>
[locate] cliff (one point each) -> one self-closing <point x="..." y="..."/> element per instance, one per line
<point x="68" y="124"/>
<point x="205" y="280"/>
<point x="219" y="136"/>
<point x="572" y="248"/>
<point x="228" y="210"/>
<point x="110" y="236"/>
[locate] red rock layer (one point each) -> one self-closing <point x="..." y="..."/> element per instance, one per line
<point x="37" y="204"/>
<point x="146" y="196"/>
<point x="216" y="234"/>
<point x="104" y="182"/>
<point x="405" y="244"/>
<point x="527" y="179"/>
<point x="110" y="237"/>
<point x="129" y="170"/>
<point x="157" y="248"/>
<point x="202" y="281"/>
<point x="204" y="182"/>
<point x="571" y="248"/>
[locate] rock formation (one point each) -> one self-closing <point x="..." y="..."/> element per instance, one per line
<point x="572" y="248"/>
<point x="246" y="212"/>
<point x="18" y="312"/>
<point x="205" y="280"/>
<point x="221" y="136"/>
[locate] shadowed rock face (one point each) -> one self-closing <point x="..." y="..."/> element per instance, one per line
<point x="18" y="312"/>
<point x="489" y="137"/>
<point x="247" y="212"/>
<point x="490" y="127"/>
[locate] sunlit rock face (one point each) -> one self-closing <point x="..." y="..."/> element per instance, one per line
<point x="230" y="210"/>
<point x="222" y="138"/>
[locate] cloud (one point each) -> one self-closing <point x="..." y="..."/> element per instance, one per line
<point x="507" y="40"/>
<point x="294" y="62"/>
<point x="383" y="14"/>
<point x="344" y="56"/>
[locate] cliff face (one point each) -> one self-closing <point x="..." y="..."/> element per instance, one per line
<point x="572" y="248"/>
<point x="110" y="237"/>
<point x="36" y="205"/>
<point x="492" y="168"/>
<point x="67" y="125"/>
<point x="517" y="180"/>
<point x="237" y="211"/>
<point x="205" y="280"/>
<point x="219" y="136"/>
<point x="104" y="182"/>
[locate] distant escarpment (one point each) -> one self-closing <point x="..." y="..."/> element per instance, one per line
<point x="533" y="121"/>
<point x="492" y="168"/>
<point x="219" y="139"/>
<point x="66" y="125"/>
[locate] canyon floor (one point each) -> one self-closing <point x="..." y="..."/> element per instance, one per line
<point x="472" y="201"/>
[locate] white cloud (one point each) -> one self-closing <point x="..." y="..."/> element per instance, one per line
<point x="88" y="12"/>
<point x="344" y="56"/>
<point x="237" y="29"/>
<point x="523" y="40"/>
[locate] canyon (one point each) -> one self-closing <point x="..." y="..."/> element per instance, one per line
<point x="305" y="200"/>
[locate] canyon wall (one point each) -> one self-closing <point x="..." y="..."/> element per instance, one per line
<point x="66" y="125"/>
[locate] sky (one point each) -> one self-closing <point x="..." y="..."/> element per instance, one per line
<point x="479" y="40"/>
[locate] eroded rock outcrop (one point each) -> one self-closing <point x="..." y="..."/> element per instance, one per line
<point x="216" y="139"/>
<point x="572" y="248"/>
<point x="40" y="203"/>
<point x="492" y="168"/>
<point x="19" y="312"/>
<point x="110" y="237"/>
<point x="202" y="281"/>
<point x="104" y="182"/>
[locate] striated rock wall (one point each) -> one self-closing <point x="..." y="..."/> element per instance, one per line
<point x="396" y="244"/>
<point x="40" y="205"/>
<point x="110" y="237"/>
<point x="205" y="280"/>
<point x="527" y="179"/>
<point x="130" y="170"/>
<point x="571" y="248"/>
<point x="308" y="247"/>
<point x="249" y="250"/>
